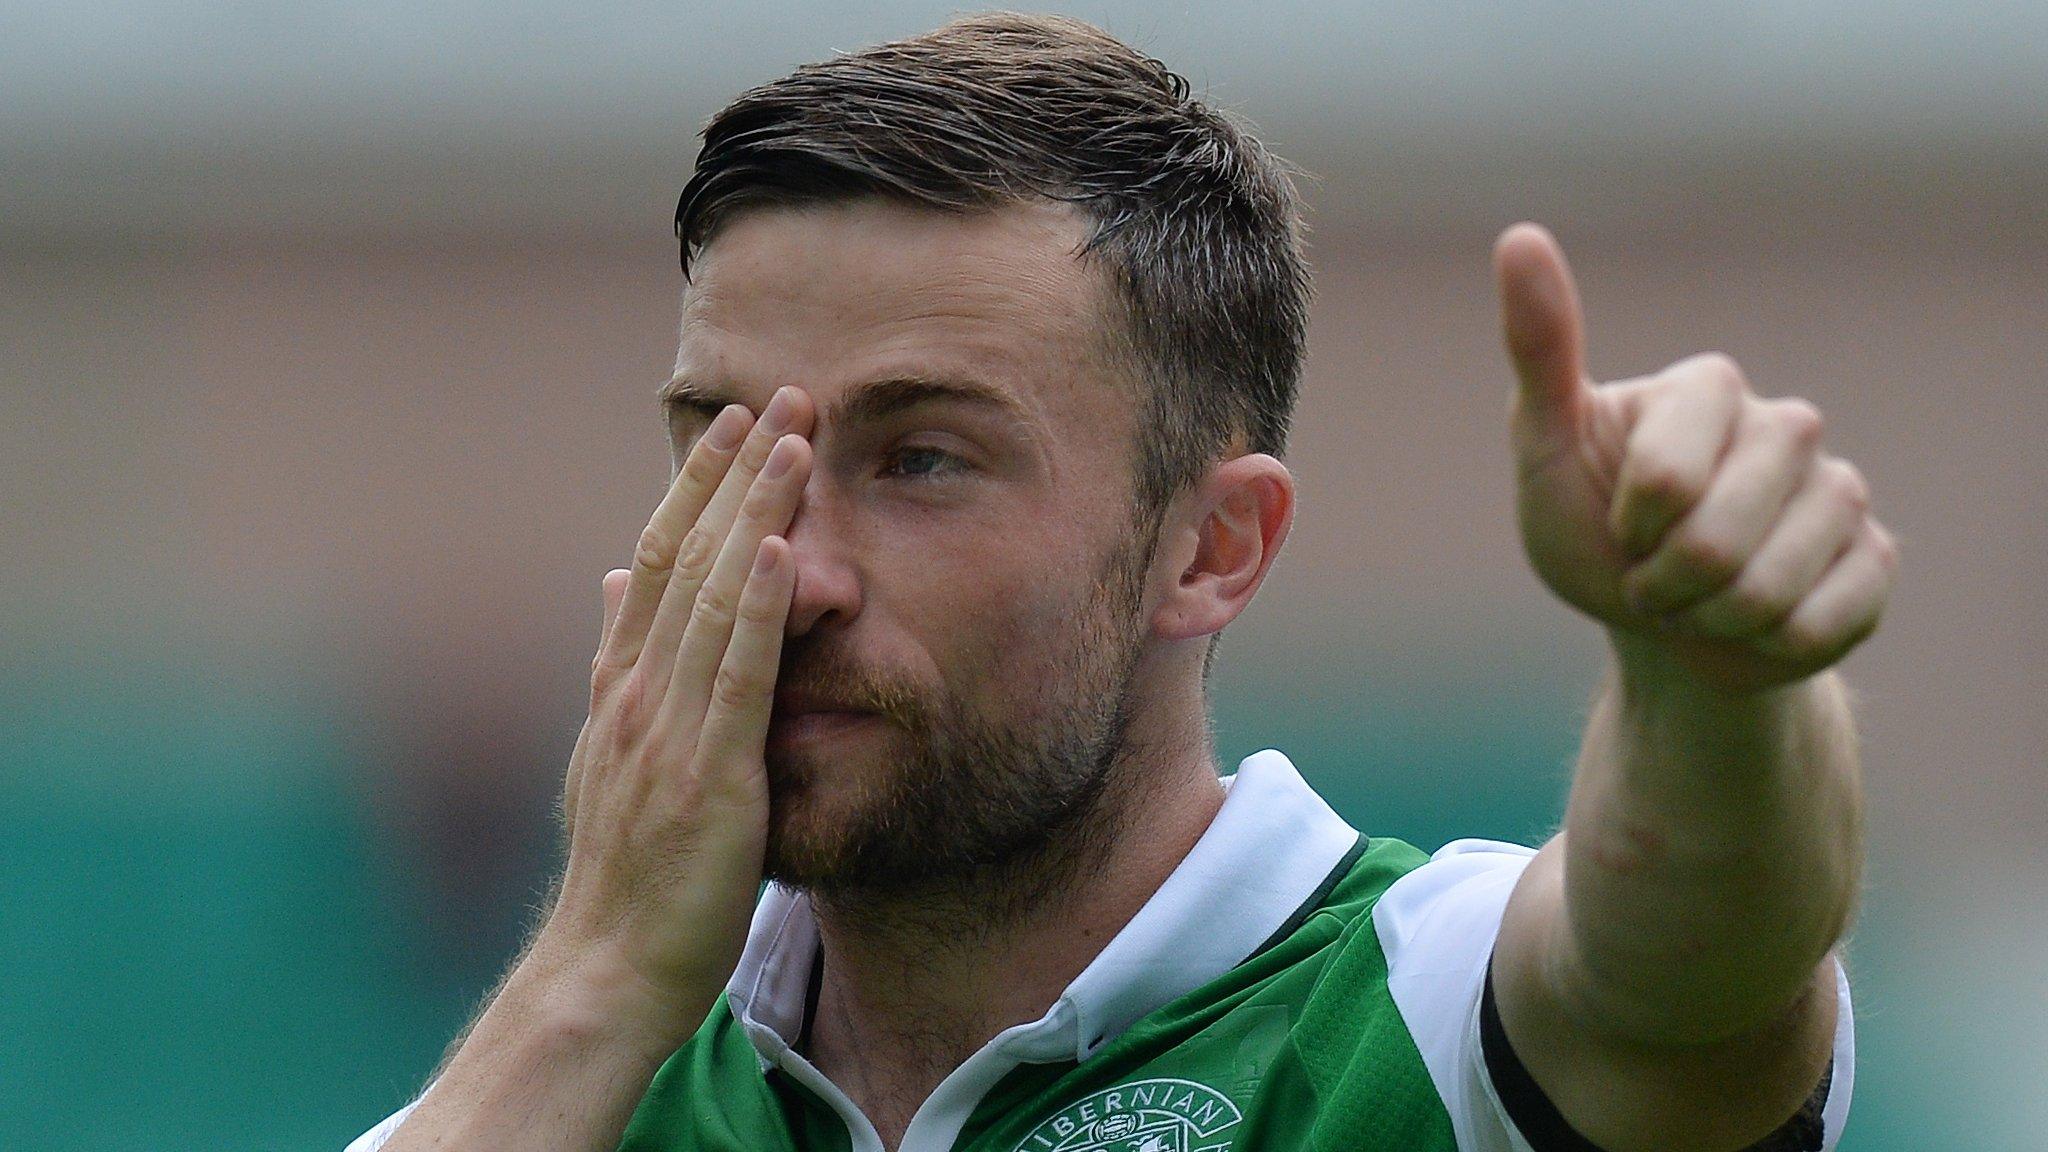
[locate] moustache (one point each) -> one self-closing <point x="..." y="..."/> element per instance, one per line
<point x="814" y="677"/>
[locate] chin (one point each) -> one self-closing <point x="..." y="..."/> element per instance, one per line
<point x="817" y="809"/>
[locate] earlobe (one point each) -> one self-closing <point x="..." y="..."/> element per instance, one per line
<point x="1226" y="532"/>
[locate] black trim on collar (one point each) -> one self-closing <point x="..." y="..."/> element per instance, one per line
<point x="1315" y="899"/>
<point x="1547" y="1130"/>
<point x="811" y="989"/>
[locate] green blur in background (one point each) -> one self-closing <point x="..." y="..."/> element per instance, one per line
<point x="210" y="945"/>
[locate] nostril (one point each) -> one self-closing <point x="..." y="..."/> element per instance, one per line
<point x="827" y="591"/>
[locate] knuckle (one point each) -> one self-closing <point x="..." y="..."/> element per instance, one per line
<point x="759" y="611"/>
<point x="698" y="552"/>
<point x="634" y="700"/>
<point x="1806" y="642"/>
<point x="604" y="674"/>
<point x="1800" y="419"/>
<point x="1661" y="483"/>
<point x="1753" y="607"/>
<point x="1714" y="559"/>
<point x="1722" y="371"/>
<point x="736" y="688"/>
<point x="654" y="551"/>
<point x="1848" y="485"/>
<point x="715" y="604"/>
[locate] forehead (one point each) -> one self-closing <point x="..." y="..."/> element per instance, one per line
<point x="832" y="295"/>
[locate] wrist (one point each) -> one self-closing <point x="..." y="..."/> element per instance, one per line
<point x="1662" y="699"/>
<point x="1654" y="667"/>
<point x="592" y="994"/>
<point x="1668" y="702"/>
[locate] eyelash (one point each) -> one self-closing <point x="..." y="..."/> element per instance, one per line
<point x="948" y="462"/>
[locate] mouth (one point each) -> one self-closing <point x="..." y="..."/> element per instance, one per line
<point x="793" y="726"/>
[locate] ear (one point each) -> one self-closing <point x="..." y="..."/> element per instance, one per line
<point x="1217" y="543"/>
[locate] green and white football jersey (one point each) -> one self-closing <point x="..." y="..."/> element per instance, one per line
<point x="1292" y="985"/>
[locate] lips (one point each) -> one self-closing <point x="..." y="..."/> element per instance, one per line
<point x="787" y="728"/>
<point x="795" y="702"/>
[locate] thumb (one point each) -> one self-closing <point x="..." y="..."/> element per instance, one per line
<point x="614" y="595"/>
<point x="1545" y="331"/>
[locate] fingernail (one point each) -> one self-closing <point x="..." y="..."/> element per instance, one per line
<point x="776" y="418"/>
<point x="727" y="429"/>
<point x="779" y="458"/>
<point x="764" y="558"/>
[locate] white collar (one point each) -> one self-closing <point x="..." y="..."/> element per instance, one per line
<point x="1267" y="852"/>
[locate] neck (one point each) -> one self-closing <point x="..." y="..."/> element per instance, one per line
<point x="915" y="982"/>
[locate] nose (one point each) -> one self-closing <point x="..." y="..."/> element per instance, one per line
<point x="828" y="587"/>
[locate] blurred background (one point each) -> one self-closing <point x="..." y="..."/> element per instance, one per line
<point x="329" y="335"/>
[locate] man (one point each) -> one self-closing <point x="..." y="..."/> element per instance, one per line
<point x="988" y="348"/>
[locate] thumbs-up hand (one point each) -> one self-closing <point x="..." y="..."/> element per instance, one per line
<point x="1681" y="510"/>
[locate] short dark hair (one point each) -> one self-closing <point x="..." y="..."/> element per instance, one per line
<point x="1197" y="224"/>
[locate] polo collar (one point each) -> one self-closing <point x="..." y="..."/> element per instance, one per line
<point x="1265" y="855"/>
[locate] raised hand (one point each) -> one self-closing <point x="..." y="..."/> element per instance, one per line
<point x="1681" y="508"/>
<point x="667" y="797"/>
<point x="667" y="807"/>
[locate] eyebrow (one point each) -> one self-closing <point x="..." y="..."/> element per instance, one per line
<point x="862" y="403"/>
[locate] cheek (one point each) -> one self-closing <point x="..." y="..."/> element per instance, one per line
<point x="1005" y="642"/>
<point x="987" y="593"/>
<point x="978" y="612"/>
<point x="973" y="602"/>
<point x="998" y="557"/>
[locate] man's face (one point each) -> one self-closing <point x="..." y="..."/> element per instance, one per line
<point x="967" y="618"/>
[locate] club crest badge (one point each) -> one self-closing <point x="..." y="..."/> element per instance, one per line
<point x="1162" y="1115"/>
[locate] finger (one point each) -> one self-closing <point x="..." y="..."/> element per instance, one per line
<point x="1545" y="333"/>
<point x="1844" y="607"/>
<point x="769" y="506"/>
<point x="1774" y="447"/>
<point x="1820" y="522"/>
<point x="789" y="410"/>
<point x="1682" y="433"/>
<point x="614" y="595"/>
<point x="654" y="557"/>
<point x="613" y="588"/>
<point x="742" y="698"/>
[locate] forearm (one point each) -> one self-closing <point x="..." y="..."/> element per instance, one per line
<point x="1713" y="848"/>
<point x="558" y="1060"/>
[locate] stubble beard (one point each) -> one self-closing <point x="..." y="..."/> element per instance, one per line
<point x="990" y="815"/>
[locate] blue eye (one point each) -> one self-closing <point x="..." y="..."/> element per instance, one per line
<point x="918" y="462"/>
